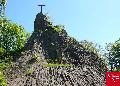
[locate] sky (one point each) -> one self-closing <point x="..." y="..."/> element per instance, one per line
<point x="93" y="20"/>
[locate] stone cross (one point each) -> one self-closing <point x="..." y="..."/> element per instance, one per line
<point x="41" y="7"/>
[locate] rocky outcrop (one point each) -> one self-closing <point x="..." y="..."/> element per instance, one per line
<point x="52" y="43"/>
<point x="61" y="76"/>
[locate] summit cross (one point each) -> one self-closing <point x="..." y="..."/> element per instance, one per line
<point x="41" y="7"/>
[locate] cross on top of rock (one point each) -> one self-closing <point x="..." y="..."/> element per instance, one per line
<point x="41" y="7"/>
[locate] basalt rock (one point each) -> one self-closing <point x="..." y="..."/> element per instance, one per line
<point x="53" y="43"/>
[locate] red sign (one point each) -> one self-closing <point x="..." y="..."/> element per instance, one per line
<point x="112" y="78"/>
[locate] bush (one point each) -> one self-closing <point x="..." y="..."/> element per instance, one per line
<point x="3" y="81"/>
<point x="12" y="38"/>
<point x="113" y="54"/>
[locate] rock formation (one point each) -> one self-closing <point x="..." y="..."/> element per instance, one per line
<point x="52" y="43"/>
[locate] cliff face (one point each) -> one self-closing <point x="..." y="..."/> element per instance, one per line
<point x="52" y="43"/>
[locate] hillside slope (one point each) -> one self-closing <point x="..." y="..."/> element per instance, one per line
<point x="52" y="43"/>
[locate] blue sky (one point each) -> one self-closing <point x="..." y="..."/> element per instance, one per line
<point x="93" y="20"/>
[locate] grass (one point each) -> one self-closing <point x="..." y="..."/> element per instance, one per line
<point x="57" y="29"/>
<point x="57" y="65"/>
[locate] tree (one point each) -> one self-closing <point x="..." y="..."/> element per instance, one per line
<point x="12" y="38"/>
<point x="98" y="50"/>
<point x="114" y="55"/>
<point x="92" y="47"/>
<point x="2" y="7"/>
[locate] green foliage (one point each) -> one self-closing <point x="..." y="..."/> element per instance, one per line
<point x="3" y="65"/>
<point x="117" y="70"/>
<point x="2" y="50"/>
<point x="35" y="56"/>
<point x="3" y="2"/>
<point x="93" y="47"/>
<point x="98" y="50"/>
<point x="114" y="54"/>
<point x="2" y="7"/>
<point x="51" y="60"/>
<point x="30" y="71"/>
<point x="58" y="28"/>
<point x="12" y="38"/>
<point x="56" y="65"/>
<point x="3" y="81"/>
<point x="90" y="46"/>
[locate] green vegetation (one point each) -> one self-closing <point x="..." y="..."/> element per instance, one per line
<point x="3" y="2"/>
<point x="3" y="81"/>
<point x="30" y="71"/>
<point x="92" y="47"/>
<point x="3" y="65"/>
<point x="35" y="56"/>
<point x="98" y="50"/>
<point x="113" y="55"/>
<point x="117" y="70"/>
<point x="2" y="7"/>
<point x="59" y="28"/>
<point x="12" y="38"/>
<point x="56" y="65"/>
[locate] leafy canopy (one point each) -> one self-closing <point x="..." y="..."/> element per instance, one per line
<point x="114" y="54"/>
<point x="12" y="37"/>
